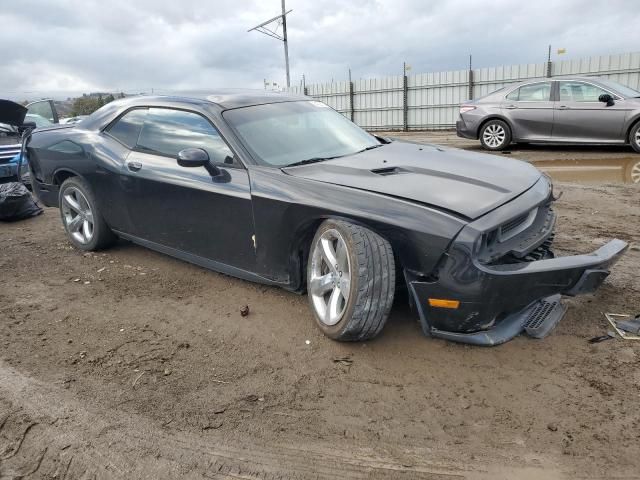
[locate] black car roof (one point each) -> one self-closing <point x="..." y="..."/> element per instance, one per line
<point x="227" y="98"/>
<point x="219" y="99"/>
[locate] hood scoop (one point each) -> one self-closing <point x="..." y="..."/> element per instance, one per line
<point x="389" y="171"/>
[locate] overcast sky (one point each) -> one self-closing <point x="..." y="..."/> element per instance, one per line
<point x="74" y="46"/>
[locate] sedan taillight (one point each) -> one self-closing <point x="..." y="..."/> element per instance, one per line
<point x="466" y="108"/>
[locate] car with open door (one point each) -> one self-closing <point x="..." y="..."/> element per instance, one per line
<point x="283" y="190"/>
<point x="567" y="110"/>
<point x="15" y="120"/>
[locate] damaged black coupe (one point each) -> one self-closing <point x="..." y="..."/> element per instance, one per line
<point x="285" y="191"/>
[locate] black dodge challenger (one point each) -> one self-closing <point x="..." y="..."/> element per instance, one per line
<point x="284" y="190"/>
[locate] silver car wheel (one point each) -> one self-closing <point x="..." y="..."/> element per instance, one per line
<point x="77" y="214"/>
<point x="494" y="135"/>
<point x="330" y="280"/>
<point x="635" y="173"/>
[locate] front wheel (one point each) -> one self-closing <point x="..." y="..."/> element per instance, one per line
<point x="495" y="135"/>
<point x="350" y="281"/>
<point x="81" y="216"/>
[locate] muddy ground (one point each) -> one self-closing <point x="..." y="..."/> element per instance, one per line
<point x="129" y="364"/>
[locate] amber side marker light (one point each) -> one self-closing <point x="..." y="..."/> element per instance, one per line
<point x="442" y="303"/>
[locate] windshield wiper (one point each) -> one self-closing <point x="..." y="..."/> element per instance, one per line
<point x="370" y="147"/>
<point x="311" y="160"/>
<point x="322" y="159"/>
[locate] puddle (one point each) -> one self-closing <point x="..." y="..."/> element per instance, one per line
<point x="606" y="170"/>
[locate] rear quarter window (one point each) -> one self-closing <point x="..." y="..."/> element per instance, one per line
<point x="127" y="128"/>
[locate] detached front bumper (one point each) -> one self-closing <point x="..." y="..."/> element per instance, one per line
<point x="495" y="289"/>
<point x="497" y="302"/>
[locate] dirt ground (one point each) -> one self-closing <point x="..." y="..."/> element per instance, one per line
<point x="129" y="364"/>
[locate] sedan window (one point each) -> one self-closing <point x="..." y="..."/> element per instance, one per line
<point x="166" y="132"/>
<point x="536" y="92"/>
<point x="579" y="92"/>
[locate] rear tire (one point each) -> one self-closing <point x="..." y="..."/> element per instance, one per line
<point x="350" y="281"/>
<point x="81" y="216"/>
<point x="495" y="135"/>
<point x="634" y="137"/>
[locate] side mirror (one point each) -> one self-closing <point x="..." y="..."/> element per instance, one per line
<point x="193" y="157"/>
<point x="606" y="98"/>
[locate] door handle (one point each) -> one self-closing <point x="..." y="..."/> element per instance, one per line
<point x="511" y="107"/>
<point x="134" y="166"/>
<point x="564" y="107"/>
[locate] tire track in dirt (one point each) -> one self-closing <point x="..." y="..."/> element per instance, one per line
<point x="66" y="440"/>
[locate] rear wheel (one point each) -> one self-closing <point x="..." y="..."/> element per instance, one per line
<point x="350" y="281"/>
<point x="634" y="137"/>
<point x="495" y="135"/>
<point x="81" y="217"/>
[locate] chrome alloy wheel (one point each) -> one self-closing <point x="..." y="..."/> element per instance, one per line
<point x="77" y="214"/>
<point x="330" y="279"/>
<point x="494" y="136"/>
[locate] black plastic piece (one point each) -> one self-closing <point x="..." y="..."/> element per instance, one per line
<point x="543" y="316"/>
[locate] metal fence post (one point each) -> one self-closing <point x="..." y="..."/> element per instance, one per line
<point x="405" y="106"/>
<point x="351" y="98"/>
<point x="470" y="79"/>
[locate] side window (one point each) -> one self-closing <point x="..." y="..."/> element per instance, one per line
<point x="514" y="95"/>
<point x="166" y="132"/>
<point x="537" y="92"/>
<point x="579" y="92"/>
<point x="127" y="128"/>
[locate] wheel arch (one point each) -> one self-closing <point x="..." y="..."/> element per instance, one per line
<point x="301" y="245"/>
<point x="496" y="116"/>
<point x="61" y="174"/>
<point x="632" y="123"/>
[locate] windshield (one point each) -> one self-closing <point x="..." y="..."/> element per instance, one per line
<point x="621" y="89"/>
<point x="281" y="134"/>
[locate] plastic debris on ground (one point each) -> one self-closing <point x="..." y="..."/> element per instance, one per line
<point x="16" y="202"/>
<point x="624" y="325"/>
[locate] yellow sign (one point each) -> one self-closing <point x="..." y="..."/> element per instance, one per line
<point x="561" y="51"/>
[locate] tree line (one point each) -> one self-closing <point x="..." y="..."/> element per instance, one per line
<point x="87" y="104"/>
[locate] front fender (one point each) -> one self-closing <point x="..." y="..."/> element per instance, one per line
<point x="288" y="209"/>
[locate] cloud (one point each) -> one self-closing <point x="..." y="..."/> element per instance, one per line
<point x="74" y="46"/>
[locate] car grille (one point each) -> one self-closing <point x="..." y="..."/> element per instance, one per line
<point x="7" y="152"/>
<point x="525" y="238"/>
<point x="513" y="224"/>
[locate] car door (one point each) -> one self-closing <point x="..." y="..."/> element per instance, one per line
<point x="203" y="211"/>
<point x="530" y="111"/>
<point x="42" y="109"/>
<point x="581" y="117"/>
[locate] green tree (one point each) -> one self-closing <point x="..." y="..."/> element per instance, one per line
<point x="85" y="105"/>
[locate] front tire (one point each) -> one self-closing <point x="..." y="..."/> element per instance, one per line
<point x="634" y="137"/>
<point x="81" y="216"/>
<point x="495" y="135"/>
<point x="350" y="281"/>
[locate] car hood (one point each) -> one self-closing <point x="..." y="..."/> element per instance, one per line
<point x="465" y="183"/>
<point x="12" y="113"/>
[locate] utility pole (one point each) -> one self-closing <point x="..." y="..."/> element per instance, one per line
<point x="273" y="32"/>
<point x="549" y="63"/>
<point x="286" y="44"/>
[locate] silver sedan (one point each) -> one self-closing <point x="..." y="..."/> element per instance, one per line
<point x="565" y="110"/>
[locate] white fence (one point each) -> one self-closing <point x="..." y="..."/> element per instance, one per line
<point x="431" y="100"/>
